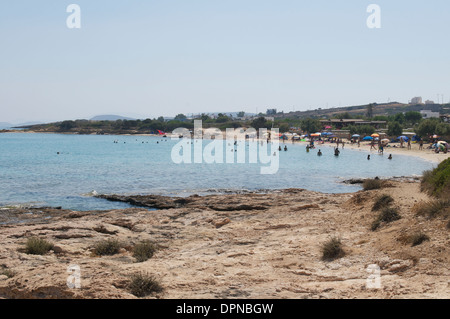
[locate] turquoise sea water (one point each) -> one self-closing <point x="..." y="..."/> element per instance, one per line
<point x="31" y="171"/>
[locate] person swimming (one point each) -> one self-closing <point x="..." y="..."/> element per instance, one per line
<point x="285" y="148"/>
<point x="390" y="156"/>
<point x="279" y="148"/>
<point x="368" y="157"/>
<point x="319" y="153"/>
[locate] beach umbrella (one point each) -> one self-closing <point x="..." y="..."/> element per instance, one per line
<point x="405" y="138"/>
<point x="385" y="140"/>
<point x="328" y="127"/>
<point x="375" y="135"/>
<point x="356" y="135"/>
<point x="368" y="138"/>
<point x="435" y="136"/>
<point x="315" y="135"/>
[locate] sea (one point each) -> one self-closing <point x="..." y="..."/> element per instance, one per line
<point x="61" y="170"/>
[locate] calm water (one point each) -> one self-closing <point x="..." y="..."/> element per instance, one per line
<point x="31" y="171"/>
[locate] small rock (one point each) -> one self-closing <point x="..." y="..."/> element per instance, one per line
<point x="222" y="223"/>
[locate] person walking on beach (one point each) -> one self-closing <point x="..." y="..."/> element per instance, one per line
<point x="409" y="144"/>
<point x="372" y="145"/>
<point x="421" y="145"/>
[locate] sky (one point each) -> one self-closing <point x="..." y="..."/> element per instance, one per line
<point x="145" y="58"/>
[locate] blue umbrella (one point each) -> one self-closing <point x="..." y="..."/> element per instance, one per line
<point x="405" y="138"/>
<point x="368" y="138"/>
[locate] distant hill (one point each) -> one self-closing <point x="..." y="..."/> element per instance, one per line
<point x="110" y="118"/>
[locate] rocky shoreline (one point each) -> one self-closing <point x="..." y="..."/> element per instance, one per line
<point x="253" y="245"/>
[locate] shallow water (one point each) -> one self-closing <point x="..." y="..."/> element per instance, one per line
<point x="31" y="171"/>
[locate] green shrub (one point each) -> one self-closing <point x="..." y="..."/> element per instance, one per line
<point x="387" y="215"/>
<point x="332" y="249"/>
<point x="143" y="284"/>
<point x="370" y="184"/>
<point x="144" y="251"/>
<point x="107" y="247"/>
<point x="437" y="181"/>
<point x="381" y="202"/>
<point x="37" y="246"/>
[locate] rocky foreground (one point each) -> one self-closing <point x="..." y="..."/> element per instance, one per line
<point x="231" y="246"/>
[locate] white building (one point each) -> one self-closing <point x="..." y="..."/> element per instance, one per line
<point x="428" y="102"/>
<point x="416" y="100"/>
<point x="427" y="114"/>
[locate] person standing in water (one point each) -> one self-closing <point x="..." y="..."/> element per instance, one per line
<point x="319" y="153"/>
<point x="336" y="152"/>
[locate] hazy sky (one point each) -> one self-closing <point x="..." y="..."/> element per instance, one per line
<point x="149" y="58"/>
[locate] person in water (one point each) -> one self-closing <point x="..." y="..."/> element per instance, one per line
<point x="279" y="148"/>
<point x="368" y="157"/>
<point x="390" y="156"/>
<point x="285" y="148"/>
<point x="307" y="148"/>
<point x="336" y="152"/>
<point x="319" y="153"/>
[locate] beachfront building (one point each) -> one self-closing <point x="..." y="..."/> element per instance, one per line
<point x="344" y="123"/>
<point x="428" y="114"/>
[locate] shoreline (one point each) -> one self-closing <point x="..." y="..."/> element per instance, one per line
<point x="424" y="154"/>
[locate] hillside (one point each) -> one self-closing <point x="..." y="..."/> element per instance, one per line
<point x="110" y="118"/>
<point x="361" y="110"/>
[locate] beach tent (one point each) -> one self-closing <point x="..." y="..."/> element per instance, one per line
<point x="368" y="138"/>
